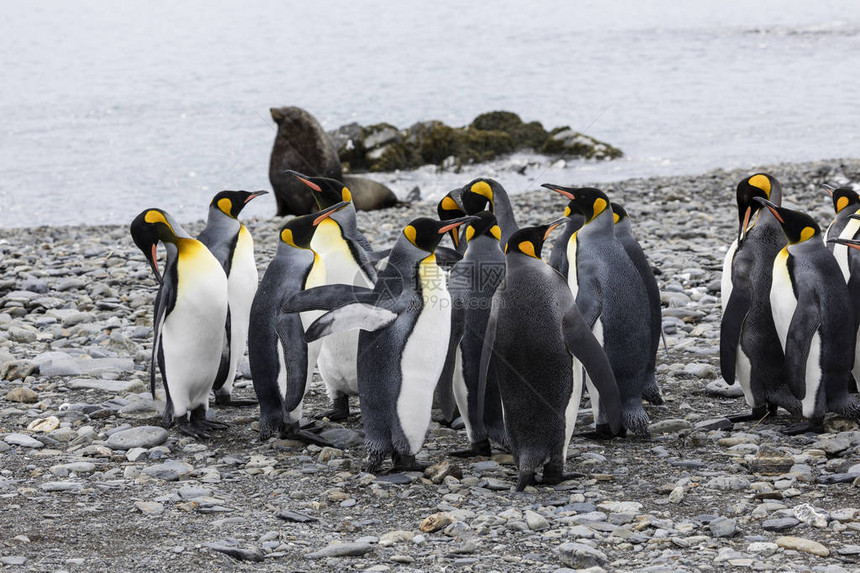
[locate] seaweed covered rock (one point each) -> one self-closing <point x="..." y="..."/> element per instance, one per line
<point x="383" y="147"/>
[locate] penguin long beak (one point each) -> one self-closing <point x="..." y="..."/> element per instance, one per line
<point x="310" y="184"/>
<point x="255" y="194"/>
<point x="152" y="259"/>
<point x="558" y="189"/>
<point x="553" y="225"/>
<point x="772" y="207"/>
<point x="326" y="213"/>
<point x="742" y="231"/>
<point x="454" y="223"/>
<point x="829" y="188"/>
<point x="853" y="243"/>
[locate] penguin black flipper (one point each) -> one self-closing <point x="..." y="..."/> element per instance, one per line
<point x="328" y="297"/>
<point x="447" y="258"/>
<point x="589" y="307"/>
<point x="730" y="332"/>
<point x="486" y="356"/>
<point x="165" y="299"/>
<point x="376" y="256"/>
<point x="804" y="325"/>
<point x="289" y="329"/>
<point x="224" y="367"/>
<point x="582" y="344"/>
<point x="353" y="316"/>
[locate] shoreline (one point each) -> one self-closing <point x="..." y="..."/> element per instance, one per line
<point x="75" y="335"/>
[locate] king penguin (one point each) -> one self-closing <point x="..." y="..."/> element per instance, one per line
<point x="750" y="349"/>
<point x="846" y="225"/>
<point x="190" y="313"/>
<point x="810" y="303"/>
<point x="231" y="243"/>
<point x="624" y="234"/>
<point x="472" y="283"/>
<point x="346" y="256"/>
<point x="449" y="208"/>
<point x="534" y="332"/>
<point x="484" y="193"/>
<point x="612" y="298"/>
<point x="405" y="323"/>
<point x="282" y="364"/>
<point x="558" y="255"/>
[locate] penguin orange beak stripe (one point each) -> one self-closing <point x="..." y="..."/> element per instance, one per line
<point x="567" y="194"/>
<point x="153" y="261"/>
<point x="552" y="226"/>
<point x="310" y="184"/>
<point x="853" y="243"/>
<point x="447" y="228"/>
<point x="745" y="224"/>
<point x="776" y="214"/>
<point x="254" y="195"/>
<point x="329" y="212"/>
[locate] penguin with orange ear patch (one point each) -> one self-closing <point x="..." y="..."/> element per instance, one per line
<point x="811" y="311"/>
<point x="613" y="300"/>
<point x="231" y="243"/>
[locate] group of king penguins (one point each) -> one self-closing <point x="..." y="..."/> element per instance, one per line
<point x="486" y="328"/>
<point x="791" y="307"/>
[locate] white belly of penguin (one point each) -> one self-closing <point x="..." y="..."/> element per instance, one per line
<point x="571" y="266"/>
<point x="338" y="352"/>
<point x="461" y="393"/>
<point x="423" y="355"/>
<point x="572" y="407"/>
<point x="840" y="252"/>
<point x="726" y="279"/>
<point x="813" y="376"/>
<point x="782" y="301"/>
<point x="241" y="287"/>
<point x="193" y="336"/>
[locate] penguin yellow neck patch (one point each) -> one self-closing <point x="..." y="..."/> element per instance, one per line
<point x="345" y="194"/>
<point x="287" y="237"/>
<point x="806" y="234"/>
<point x="483" y="188"/>
<point x="449" y="204"/>
<point x="410" y="233"/>
<point x="841" y="203"/>
<point x="567" y="211"/>
<point x="762" y="183"/>
<point x="470" y="232"/>
<point x="226" y="206"/>
<point x="528" y="248"/>
<point x="615" y="218"/>
<point x="598" y="207"/>
<point x="154" y="216"/>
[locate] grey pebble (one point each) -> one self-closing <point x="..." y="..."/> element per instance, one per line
<point x="341" y="550"/>
<point x="23" y="440"/>
<point x="780" y="524"/>
<point x="139" y="437"/>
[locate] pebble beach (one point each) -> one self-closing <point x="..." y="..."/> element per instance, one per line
<point x="90" y="481"/>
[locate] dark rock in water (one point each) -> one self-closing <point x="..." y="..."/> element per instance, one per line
<point x="302" y="145"/>
<point x="383" y="147"/>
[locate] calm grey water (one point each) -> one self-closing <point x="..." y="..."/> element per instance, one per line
<point x="107" y="109"/>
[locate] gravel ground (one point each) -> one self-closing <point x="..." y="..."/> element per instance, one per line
<point x="89" y="482"/>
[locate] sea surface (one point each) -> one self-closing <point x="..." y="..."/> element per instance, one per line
<point x="109" y="108"/>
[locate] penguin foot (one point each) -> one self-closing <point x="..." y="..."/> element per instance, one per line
<point x="339" y="411"/>
<point x="230" y="402"/>
<point x="407" y="463"/>
<point x="213" y="425"/>
<point x="525" y="478"/>
<point x="814" y="426"/>
<point x="192" y="429"/>
<point x="604" y="432"/>
<point x="374" y="462"/>
<point x="481" y="448"/>
<point x="757" y="413"/>
<point x="294" y="432"/>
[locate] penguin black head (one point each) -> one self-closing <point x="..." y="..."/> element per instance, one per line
<point x="326" y="192"/>
<point x="485" y="224"/>
<point x="529" y="240"/>
<point x="231" y="203"/>
<point x="761" y="185"/>
<point x="448" y="209"/>
<point x="425" y="233"/>
<point x="588" y="201"/>
<point x="798" y="227"/>
<point x="147" y="229"/>
<point x="842" y="197"/>
<point x="479" y="195"/>
<point x="299" y="231"/>
<point x="619" y="213"/>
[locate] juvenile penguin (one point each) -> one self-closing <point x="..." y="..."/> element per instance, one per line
<point x="810" y="305"/>
<point x="231" y="243"/>
<point x="534" y="332"/>
<point x="846" y="225"/>
<point x="612" y="298"/>
<point x="282" y="364"/>
<point x="190" y="313"/>
<point x="405" y="323"/>
<point x="472" y="283"/>
<point x="624" y="234"/>
<point x="480" y="192"/>
<point x="346" y="256"/>
<point x="750" y="349"/>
